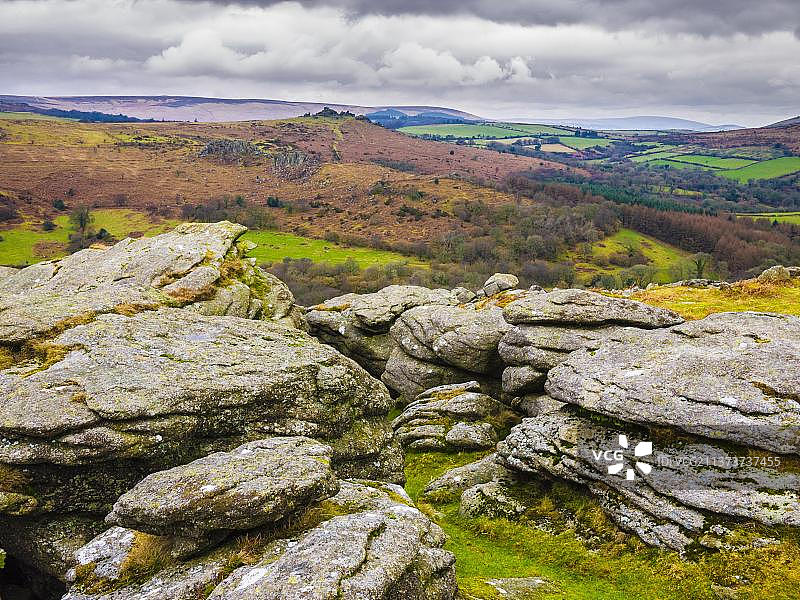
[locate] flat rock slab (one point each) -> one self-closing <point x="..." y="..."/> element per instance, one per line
<point x="522" y="588"/>
<point x="377" y="311"/>
<point x="174" y="363"/>
<point x="257" y="483"/>
<point x="730" y="376"/>
<point x="582" y="307"/>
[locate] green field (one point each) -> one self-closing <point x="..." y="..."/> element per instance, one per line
<point x="581" y="143"/>
<point x="537" y="129"/>
<point x="466" y="131"/>
<point x="676" y="164"/>
<point x="483" y="130"/>
<point x="274" y="246"/>
<point x="29" y="116"/>
<point x="28" y="243"/>
<point x="714" y="161"/>
<point x="781" y="217"/>
<point x="654" y="155"/>
<point x="768" y="169"/>
<point x="661" y="256"/>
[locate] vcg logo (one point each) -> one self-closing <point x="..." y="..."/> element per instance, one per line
<point x="617" y="458"/>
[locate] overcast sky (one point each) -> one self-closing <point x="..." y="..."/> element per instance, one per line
<point x="731" y="61"/>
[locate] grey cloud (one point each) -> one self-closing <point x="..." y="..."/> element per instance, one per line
<point x="705" y="17"/>
<point x="497" y="67"/>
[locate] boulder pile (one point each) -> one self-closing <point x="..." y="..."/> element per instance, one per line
<point x="120" y="363"/>
<point x="267" y="520"/>
<point x="170" y="430"/>
<point x="680" y="430"/>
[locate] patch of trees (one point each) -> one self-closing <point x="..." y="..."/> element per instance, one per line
<point x="83" y="233"/>
<point x="8" y="211"/>
<point x="746" y="246"/>
<point x="89" y="116"/>
<point x="229" y="208"/>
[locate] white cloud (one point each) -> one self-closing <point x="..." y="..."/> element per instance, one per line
<point x="291" y="51"/>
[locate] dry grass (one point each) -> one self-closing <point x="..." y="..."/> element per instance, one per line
<point x="6" y="358"/>
<point x="750" y="295"/>
<point x="129" y="309"/>
<point x="185" y="296"/>
<point x="149" y="554"/>
<point x="11" y="479"/>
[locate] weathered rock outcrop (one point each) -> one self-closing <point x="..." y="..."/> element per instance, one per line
<point x="666" y="493"/>
<point x="257" y="483"/>
<point x="383" y="554"/>
<point x="134" y="395"/>
<point x="548" y="327"/>
<point x="453" y="336"/>
<point x="358" y="324"/>
<point x="452" y="417"/>
<point x="712" y="398"/>
<point x="195" y="262"/>
<point x="730" y="376"/>
<point x="105" y="383"/>
<point x="379" y="546"/>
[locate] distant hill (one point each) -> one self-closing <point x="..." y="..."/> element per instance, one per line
<point x="636" y="123"/>
<point x="786" y="122"/>
<point x="209" y="110"/>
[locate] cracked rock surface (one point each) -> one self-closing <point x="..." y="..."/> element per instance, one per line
<point x="730" y="376"/>
<point x="179" y="267"/>
<point x="382" y="548"/>
<point x="382" y="554"/>
<point x="134" y="395"/>
<point x="669" y="500"/>
<point x="358" y="324"/>
<point x="257" y="483"/>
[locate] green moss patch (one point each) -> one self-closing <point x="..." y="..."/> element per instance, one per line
<point x="567" y="539"/>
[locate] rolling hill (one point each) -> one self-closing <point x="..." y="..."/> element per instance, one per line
<point x="637" y="124"/>
<point x="207" y="110"/>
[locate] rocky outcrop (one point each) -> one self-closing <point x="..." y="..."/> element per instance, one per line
<point x="730" y="376"/>
<point x="122" y="362"/>
<point x="358" y="324"/>
<point x="195" y="262"/>
<point x="374" y="544"/>
<point x="779" y="274"/>
<point x="257" y="483"/>
<point x="670" y="492"/>
<point x="127" y="396"/>
<point x="715" y="404"/>
<point x="452" y="417"/>
<point x="548" y="327"/>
